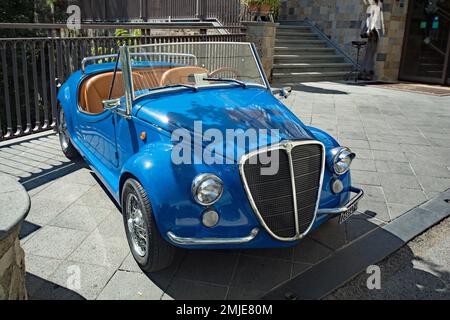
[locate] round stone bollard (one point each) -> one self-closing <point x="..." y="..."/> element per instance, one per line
<point x="14" y="207"/>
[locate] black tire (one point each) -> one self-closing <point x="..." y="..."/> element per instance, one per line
<point x="159" y="254"/>
<point x="64" y="139"/>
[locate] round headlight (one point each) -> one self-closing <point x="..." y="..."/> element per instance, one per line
<point x="207" y="189"/>
<point x="342" y="159"/>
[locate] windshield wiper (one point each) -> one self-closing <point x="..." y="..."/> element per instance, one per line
<point x="242" y="84"/>
<point x="193" y="88"/>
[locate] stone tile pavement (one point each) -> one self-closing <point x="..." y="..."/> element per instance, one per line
<point x="403" y="145"/>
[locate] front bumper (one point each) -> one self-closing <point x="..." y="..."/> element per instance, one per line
<point x="212" y="241"/>
<point x="347" y="206"/>
<point x="184" y="241"/>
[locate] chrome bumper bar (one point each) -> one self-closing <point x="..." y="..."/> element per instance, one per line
<point x="217" y="241"/>
<point x="210" y="241"/>
<point x="345" y="208"/>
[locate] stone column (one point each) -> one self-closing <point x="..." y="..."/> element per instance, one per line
<point x="15" y="204"/>
<point x="262" y="34"/>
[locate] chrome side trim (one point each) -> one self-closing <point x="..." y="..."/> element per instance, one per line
<point x="283" y="146"/>
<point x="352" y="201"/>
<point x="209" y="241"/>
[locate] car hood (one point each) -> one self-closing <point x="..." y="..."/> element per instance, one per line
<point x="221" y="109"/>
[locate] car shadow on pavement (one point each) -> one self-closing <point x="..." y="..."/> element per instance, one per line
<point x="251" y="273"/>
<point x="312" y="89"/>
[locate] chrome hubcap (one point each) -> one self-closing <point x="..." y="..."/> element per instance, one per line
<point x="137" y="227"/>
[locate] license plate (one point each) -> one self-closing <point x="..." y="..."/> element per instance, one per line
<point x="351" y="210"/>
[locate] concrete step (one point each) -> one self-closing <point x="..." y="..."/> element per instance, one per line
<point x="293" y="77"/>
<point x="293" y="28"/>
<point x="311" y="67"/>
<point x="297" y="36"/>
<point x="313" y="58"/>
<point x="298" y="51"/>
<point x="295" y="43"/>
<point x="431" y="66"/>
<point x="303" y="55"/>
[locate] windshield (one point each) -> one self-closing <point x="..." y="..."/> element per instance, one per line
<point x="192" y="65"/>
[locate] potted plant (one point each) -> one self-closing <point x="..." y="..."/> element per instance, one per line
<point x="262" y="7"/>
<point x="253" y="6"/>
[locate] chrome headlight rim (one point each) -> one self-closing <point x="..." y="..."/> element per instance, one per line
<point x="337" y="156"/>
<point x="197" y="183"/>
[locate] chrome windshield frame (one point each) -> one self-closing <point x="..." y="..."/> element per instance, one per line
<point x="127" y="80"/>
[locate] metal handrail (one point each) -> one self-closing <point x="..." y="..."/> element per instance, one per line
<point x="346" y="56"/>
<point x="141" y="25"/>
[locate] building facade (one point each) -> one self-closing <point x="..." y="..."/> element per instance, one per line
<point x="416" y="44"/>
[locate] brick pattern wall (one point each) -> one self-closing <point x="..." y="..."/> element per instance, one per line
<point x="341" y="20"/>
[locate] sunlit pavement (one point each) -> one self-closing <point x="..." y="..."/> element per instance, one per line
<point x="402" y="142"/>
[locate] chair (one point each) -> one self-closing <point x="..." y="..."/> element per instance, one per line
<point x="356" y="69"/>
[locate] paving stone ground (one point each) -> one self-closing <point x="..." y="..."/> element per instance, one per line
<point x="402" y="141"/>
<point x="418" y="271"/>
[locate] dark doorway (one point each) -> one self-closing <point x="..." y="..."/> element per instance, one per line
<point x="426" y="49"/>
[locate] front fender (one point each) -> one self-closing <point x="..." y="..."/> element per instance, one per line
<point x="328" y="199"/>
<point x="168" y="187"/>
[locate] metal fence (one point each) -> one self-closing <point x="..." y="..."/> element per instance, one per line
<point x="30" y="69"/>
<point x="227" y="12"/>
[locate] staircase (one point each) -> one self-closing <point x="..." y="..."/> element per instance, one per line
<point x="431" y="63"/>
<point x="302" y="55"/>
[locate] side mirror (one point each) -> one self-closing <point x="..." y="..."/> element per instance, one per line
<point x="283" y="92"/>
<point x="112" y="104"/>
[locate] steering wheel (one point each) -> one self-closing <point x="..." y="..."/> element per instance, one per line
<point x="225" y="70"/>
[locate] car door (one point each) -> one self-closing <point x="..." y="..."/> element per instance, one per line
<point x="97" y="130"/>
<point x="99" y="136"/>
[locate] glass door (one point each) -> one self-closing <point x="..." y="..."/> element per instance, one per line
<point x="427" y="43"/>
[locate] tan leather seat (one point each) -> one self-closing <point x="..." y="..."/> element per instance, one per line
<point x="180" y="75"/>
<point x="96" y="89"/>
<point x="150" y="77"/>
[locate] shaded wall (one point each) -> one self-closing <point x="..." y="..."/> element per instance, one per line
<point x="341" y="21"/>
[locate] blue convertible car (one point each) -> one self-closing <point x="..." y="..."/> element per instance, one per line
<point x="198" y="152"/>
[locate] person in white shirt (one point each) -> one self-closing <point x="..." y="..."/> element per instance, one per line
<point x="372" y="30"/>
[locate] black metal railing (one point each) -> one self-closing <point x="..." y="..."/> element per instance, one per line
<point x="31" y="68"/>
<point x="227" y="12"/>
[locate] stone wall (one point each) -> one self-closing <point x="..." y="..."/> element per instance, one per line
<point x="262" y="34"/>
<point x="12" y="268"/>
<point x="341" y="20"/>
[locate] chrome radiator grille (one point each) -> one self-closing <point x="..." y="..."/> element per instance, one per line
<point x="286" y="203"/>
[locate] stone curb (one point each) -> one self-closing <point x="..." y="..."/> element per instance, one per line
<point x="350" y="261"/>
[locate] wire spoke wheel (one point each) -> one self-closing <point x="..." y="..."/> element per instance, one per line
<point x="137" y="226"/>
